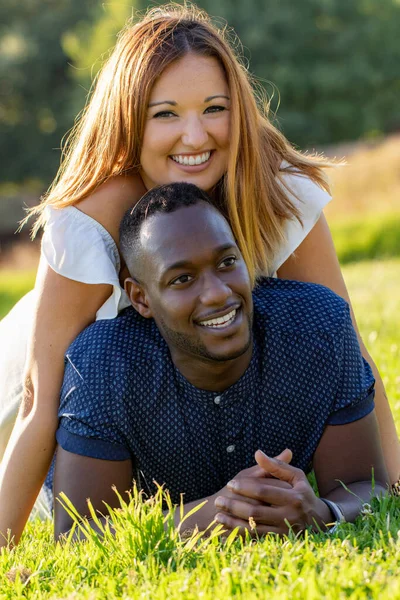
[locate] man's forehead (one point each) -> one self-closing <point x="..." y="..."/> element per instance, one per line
<point x="184" y="234"/>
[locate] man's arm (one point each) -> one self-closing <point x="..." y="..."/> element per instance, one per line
<point x="82" y="477"/>
<point x="346" y="454"/>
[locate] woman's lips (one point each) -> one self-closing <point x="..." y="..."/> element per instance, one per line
<point x="193" y="168"/>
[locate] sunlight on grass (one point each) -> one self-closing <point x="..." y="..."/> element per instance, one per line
<point x="13" y="286"/>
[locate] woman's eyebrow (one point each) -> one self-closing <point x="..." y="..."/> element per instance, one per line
<point x="171" y="102"/>
<point x="209" y="98"/>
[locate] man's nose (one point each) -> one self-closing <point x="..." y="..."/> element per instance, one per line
<point x="194" y="134"/>
<point x="215" y="291"/>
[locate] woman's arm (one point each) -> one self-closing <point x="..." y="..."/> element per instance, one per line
<point x="315" y="260"/>
<point x="64" y="308"/>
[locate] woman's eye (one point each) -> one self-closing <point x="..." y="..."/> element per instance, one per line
<point x="213" y="109"/>
<point x="228" y="262"/>
<point x="182" y="279"/>
<point x="164" y="114"/>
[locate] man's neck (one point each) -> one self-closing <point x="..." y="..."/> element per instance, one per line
<point x="212" y="375"/>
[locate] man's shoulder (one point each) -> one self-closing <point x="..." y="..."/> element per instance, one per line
<point x="119" y="342"/>
<point x="298" y="305"/>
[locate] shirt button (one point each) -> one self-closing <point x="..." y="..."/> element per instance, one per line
<point x="231" y="448"/>
<point x="217" y="399"/>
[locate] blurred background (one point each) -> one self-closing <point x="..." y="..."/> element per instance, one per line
<point x="331" y="69"/>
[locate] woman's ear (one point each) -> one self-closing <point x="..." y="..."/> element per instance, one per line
<point x="137" y="296"/>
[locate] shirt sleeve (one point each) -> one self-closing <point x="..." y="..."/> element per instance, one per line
<point x="310" y="199"/>
<point x="89" y="414"/>
<point x="355" y="392"/>
<point x="78" y="247"/>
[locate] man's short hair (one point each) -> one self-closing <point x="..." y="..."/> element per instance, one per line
<point x="162" y="199"/>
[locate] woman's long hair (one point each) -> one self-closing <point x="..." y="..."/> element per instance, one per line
<point x="107" y="137"/>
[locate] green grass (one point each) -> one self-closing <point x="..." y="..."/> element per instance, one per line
<point x="372" y="237"/>
<point x="12" y="287"/>
<point x="361" y="560"/>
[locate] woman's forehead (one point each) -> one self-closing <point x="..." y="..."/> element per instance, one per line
<point x="189" y="74"/>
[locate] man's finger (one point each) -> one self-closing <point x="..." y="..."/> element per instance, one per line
<point x="278" y="468"/>
<point x="285" y="456"/>
<point x="261" y="491"/>
<point x="241" y="509"/>
<point x="255" y="530"/>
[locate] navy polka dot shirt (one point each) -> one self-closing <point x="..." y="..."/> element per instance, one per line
<point x="122" y="396"/>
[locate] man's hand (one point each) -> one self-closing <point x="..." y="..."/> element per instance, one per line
<point x="206" y="515"/>
<point x="278" y="508"/>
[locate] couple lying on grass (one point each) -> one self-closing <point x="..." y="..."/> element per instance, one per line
<point x="218" y="391"/>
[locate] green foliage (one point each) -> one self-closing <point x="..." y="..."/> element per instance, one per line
<point x="13" y="285"/>
<point x="367" y="239"/>
<point x="35" y="109"/>
<point x="88" y="44"/>
<point x="333" y="66"/>
<point x="148" y="559"/>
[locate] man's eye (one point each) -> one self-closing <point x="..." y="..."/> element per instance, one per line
<point x="182" y="279"/>
<point x="213" y="109"/>
<point x="164" y="114"/>
<point x="228" y="262"/>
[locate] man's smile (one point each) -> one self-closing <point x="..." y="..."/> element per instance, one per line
<point x="220" y="321"/>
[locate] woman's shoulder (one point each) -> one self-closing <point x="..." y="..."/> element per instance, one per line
<point x="111" y="200"/>
<point x="308" y="197"/>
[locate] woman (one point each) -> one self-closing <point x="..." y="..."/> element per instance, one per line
<point x="171" y="104"/>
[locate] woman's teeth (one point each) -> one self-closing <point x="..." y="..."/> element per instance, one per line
<point x="220" y="321"/>
<point x="198" y="159"/>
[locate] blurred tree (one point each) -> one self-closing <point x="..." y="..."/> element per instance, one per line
<point x="89" y="43"/>
<point x="334" y="63"/>
<point x="35" y="89"/>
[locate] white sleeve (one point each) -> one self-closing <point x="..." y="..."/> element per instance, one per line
<point x="310" y="199"/>
<point x="79" y="248"/>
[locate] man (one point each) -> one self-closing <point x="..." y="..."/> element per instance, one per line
<point x="201" y="375"/>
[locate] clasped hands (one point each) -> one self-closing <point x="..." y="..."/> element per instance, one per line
<point x="271" y="497"/>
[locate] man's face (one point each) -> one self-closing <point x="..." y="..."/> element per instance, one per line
<point x="196" y="284"/>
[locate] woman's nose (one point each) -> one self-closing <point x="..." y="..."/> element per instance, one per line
<point x="194" y="134"/>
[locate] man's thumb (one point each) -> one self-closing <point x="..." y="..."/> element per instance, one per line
<point x="285" y="456"/>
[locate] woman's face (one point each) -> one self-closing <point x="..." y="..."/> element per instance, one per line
<point x="186" y="136"/>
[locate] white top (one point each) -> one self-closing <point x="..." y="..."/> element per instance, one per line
<point x="78" y="247"/>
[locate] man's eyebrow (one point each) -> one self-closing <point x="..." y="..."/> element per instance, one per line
<point x="187" y="263"/>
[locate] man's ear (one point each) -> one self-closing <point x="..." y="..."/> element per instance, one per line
<point x="137" y="296"/>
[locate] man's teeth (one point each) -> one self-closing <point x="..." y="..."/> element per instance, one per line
<point x="219" y="321"/>
<point x="198" y="159"/>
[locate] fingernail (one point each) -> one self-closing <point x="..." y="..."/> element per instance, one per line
<point x="220" y="502"/>
<point x="233" y="484"/>
<point x="220" y="518"/>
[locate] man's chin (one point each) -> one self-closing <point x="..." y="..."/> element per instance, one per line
<point x="227" y="355"/>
